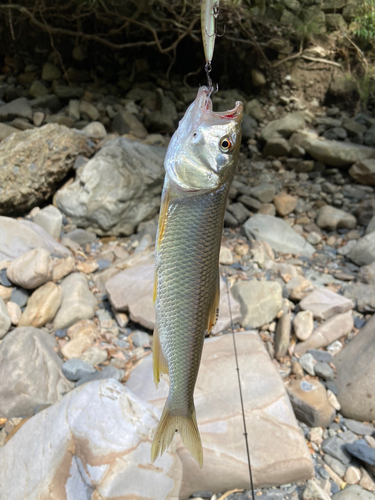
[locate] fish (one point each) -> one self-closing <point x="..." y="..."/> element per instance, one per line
<point x="200" y="164"/>
<point x="209" y="13"/>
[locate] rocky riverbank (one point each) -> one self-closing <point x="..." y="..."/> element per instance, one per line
<point x="76" y="280"/>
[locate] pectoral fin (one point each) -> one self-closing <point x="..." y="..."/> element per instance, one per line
<point x="160" y="364"/>
<point x="163" y="216"/>
<point x="214" y="310"/>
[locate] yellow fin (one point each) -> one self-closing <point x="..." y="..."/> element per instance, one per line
<point x="213" y="313"/>
<point x="185" y="426"/>
<point x="159" y="362"/>
<point x="163" y="216"/>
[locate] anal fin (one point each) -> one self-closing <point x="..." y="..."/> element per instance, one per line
<point x="160" y="364"/>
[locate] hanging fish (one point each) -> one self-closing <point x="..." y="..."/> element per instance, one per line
<point x="200" y="165"/>
<point x="209" y="13"/>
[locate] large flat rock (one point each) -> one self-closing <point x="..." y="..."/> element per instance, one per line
<point x="95" y="443"/>
<point x="278" y="451"/>
<point x="337" y="153"/>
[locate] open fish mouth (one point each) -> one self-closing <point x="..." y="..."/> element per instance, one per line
<point x="202" y="109"/>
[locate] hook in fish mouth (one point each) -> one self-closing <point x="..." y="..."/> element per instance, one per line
<point x="204" y="104"/>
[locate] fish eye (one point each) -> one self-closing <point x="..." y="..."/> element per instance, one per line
<point x="226" y="144"/>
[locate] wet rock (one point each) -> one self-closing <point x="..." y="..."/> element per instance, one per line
<point x="134" y="178"/>
<point x="85" y="457"/>
<point x="332" y="218"/>
<point x="284" y="127"/>
<point x="19" y="236"/>
<point x="42" y="306"/>
<point x="5" y="319"/>
<point x="32" y="269"/>
<point x="323" y="304"/>
<point x="38" y="378"/>
<point x="220" y="426"/>
<point x="303" y="324"/>
<point x="310" y="403"/>
<point x="353" y="493"/>
<point x="364" y="172"/>
<point x="278" y="234"/>
<point x="82" y="336"/>
<point x="50" y="219"/>
<point x="336" y="153"/>
<point x="355" y="380"/>
<point x="17" y="108"/>
<point x="78" y="302"/>
<point x="38" y="160"/>
<point x="260" y="301"/>
<point x="334" y="328"/>
<point x="363" y="253"/>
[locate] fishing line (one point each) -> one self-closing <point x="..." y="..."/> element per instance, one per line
<point x="240" y="389"/>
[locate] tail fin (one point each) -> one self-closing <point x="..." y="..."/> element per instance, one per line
<point x="185" y="426"/>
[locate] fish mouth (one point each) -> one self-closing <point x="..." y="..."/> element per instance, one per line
<point x="203" y="108"/>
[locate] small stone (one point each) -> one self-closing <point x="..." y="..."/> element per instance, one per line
<point x="352" y="475"/>
<point x="284" y="203"/>
<point x="323" y="303"/>
<point x="94" y="355"/>
<point x="107" y="372"/>
<point x="298" y="288"/>
<point x="32" y="269"/>
<point x="359" y="428"/>
<point x="87" y="266"/>
<point x="14" y="312"/>
<point x="74" y="111"/>
<point x="336" y="447"/>
<point x="5" y="319"/>
<point x="303" y="324"/>
<point x="74" y="369"/>
<point x="354" y="492"/>
<point x="140" y="339"/>
<point x="363" y="252"/>
<point x="258" y="78"/>
<point x="332" y="218"/>
<point x="282" y="335"/>
<point x="314" y="492"/>
<point x="226" y="256"/>
<point x="297" y="370"/>
<point x="20" y="296"/>
<point x="88" y="111"/>
<point x="276" y="146"/>
<point x="335" y="464"/>
<point x="362" y="452"/>
<point x="307" y="362"/>
<point x="333" y="401"/>
<point x="314" y="238"/>
<point x="42" y="306"/>
<point x="81" y="236"/>
<point x="50" y="219"/>
<point x="95" y="130"/>
<point x="62" y="267"/>
<point x="316" y="435"/>
<point x="126" y="123"/>
<point x="324" y="371"/>
<point x="263" y="192"/>
<point x="366" y="481"/>
<point x="267" y="209"/>
<point x="82" y="336"/>
<point x="50" y="72"/>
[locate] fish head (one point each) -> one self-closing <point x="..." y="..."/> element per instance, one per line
<point x="203" y="152"/>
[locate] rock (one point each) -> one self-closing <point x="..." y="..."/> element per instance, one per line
<point x="282" y="336"/>
<point x="140" y="339"/>
<point x="334" y="328"/>
<point x="284" y="127"/>
<point x="32" y="269"/>
<point x="88" y="111"/>
<point x="303" y="324"/>
<point x="50" y="72"/>
<point x="363" y="295"/>
<point x="6" y="131"/>
<point x="240" y="212"/>
<point x="94" y="356"/>
<point x="134" y="179"/>
<point x="361" y="451"/>
<point x="226" y="256"/>
<point x="336" y="448"/>
<point x="132" y="290"/>
<point x="356" y="375"/>
<point x="333" y="401"/>
<point x="298" y="288"/>
<point x="14" y="312"/>
<point x="314" y="238"/>
<point x="74" y="369"/>
<point x="126" y="123"/>
<point x="62" y="267"/>
<point x="38" y="378"/>
<point x="352" y="475"/>
<point x="255" y="109"/>
<point x="94" y="130"/>
<point x="47" y="102"/>
<point x="324" y="371"/>
<point x="37" y="160"/>
<point x="263" y="192"/>
<point x="20" y="296"/>
<point x="333" y="218"/>
<point x="258" y="78"/>
<point x="107" y="372"/>
<point x="50" y="219"/>
<point x="353" y="493"/>
<point x="78" y="302"/>
<point x="371" y="226"/>
<point x="336" y="153"/>
<point x="364" y="172"/>
<point x="19" y="236"/>
<point x="5" y="319"/>
<point x="363" y="253"/>
<point x="366" y="481"/>
<point x="220" y="425"/>
<point x="17" y="108"/>
<point x="85" y="458"/>
<point x="336" y="22"/>
<point x="310" y="403"/>
<point x="42" y="306"/>
<point x="276" y="146"/>
<point x="359" y="427"/>
<point x="278" y="234"/>
<point x="307" y="362"/>
<point x="314" y="492"/>
<point x="284" y="203"/>
<point x="82" y="336"/>
<point x="323" y="303"/>
<point x="260" y="301"/>
<point x="81" y="236"/>
<point x="336" y="465"/>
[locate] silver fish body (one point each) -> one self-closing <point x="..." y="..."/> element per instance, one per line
<point x="200" y="166"/>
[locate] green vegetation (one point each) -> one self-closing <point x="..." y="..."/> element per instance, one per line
<point x="365" y="21"/>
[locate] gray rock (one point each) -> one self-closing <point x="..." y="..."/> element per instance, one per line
<point x="50" y="102"/>
<point x="307" y="362"/>
<point x="6" y="131"/>
<point x="18" y="108"/>
<point x="363" y="252"/>
<point x="64" y="92"/>
<point x="324" y="371"/>
<point x="81" y="236"/>
<point x="20" y="296"/>
<point x="276" y="146"/>
<point x="335" y="464"/>
<point x="140" y="338"/>
<point x="367" y="274"/>
<point x="38" y="378"/>
<point x="42" y="306"/>
<point x="323" y="303"/>
<point x="94" y="356"/>
<point x="74" y="369"/>
<point x="336" y="447"/>
<point x="371" y="225"/>
<point x="5" y="321"/>
<point x="355" y="380"/>
<point x="362" y="451"/>
<point x="332" y="218"/>
<point x="117" y="189"/>
<point x="38" y="160"/>
<point x="336" y="153"/>
<point x="359" y="427"/>
<point x="303" y="324"/>
<point x="50" y="219"/>
<point x="284" y="127"/>
<point x="84" y="457"/>
<point x="282" y="336"/>
<point x="354" y="492"/>
<point x="239" y="211"/>
<point x="126" y="123"/>
<point x="260" y="301"/>
<point x="94" y="130"/>
<point x="263" y="192"/>
<point x="363" y="295"/>
<point x="88" y="111"/>
<point x="248" y="127"/>
<point x="278" y="234"/>
<point x="364" y="172"/>
<point x="50" y="72"/>
<point x="107" y="372"/>
<point x="78" y="302"/>
<point x="314" y="492"/>
<point x="32" y="269"/>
